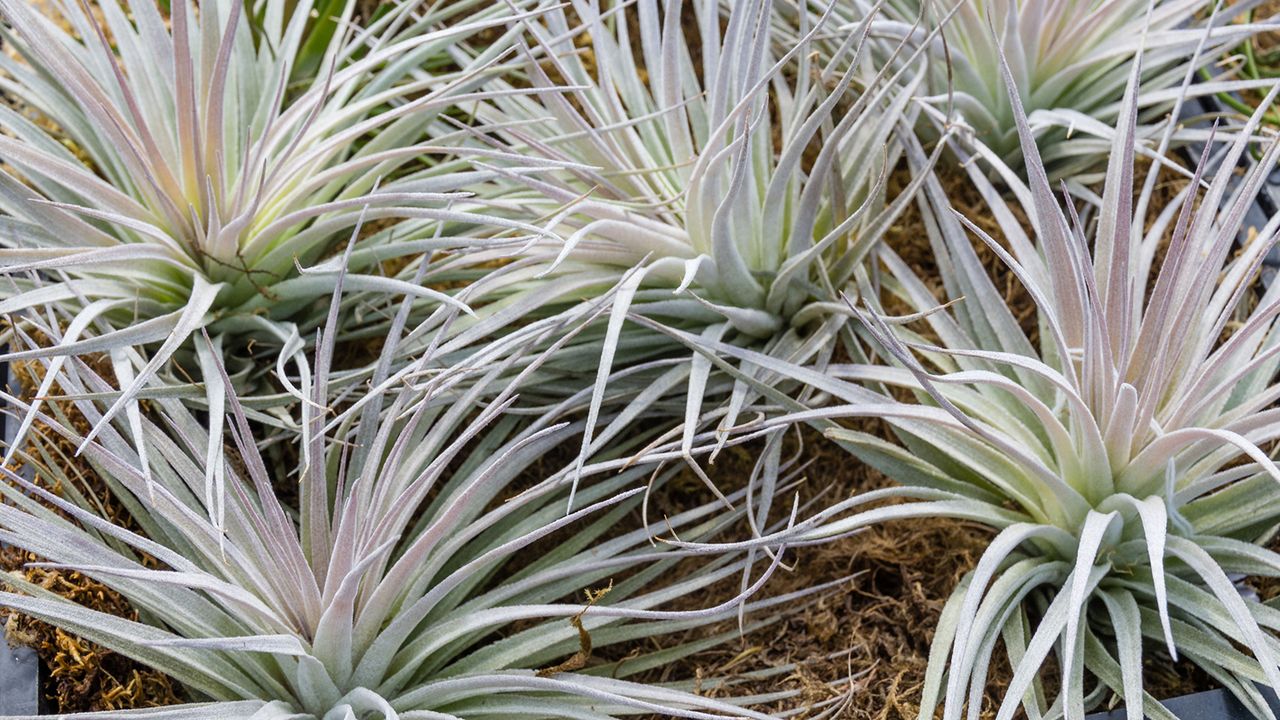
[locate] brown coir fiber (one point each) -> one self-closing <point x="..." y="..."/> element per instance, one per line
<point x="876" y="625"/>
<point x="78" y="675"/>
<point x="863" y="646"/>
<point x="879" y="629"/>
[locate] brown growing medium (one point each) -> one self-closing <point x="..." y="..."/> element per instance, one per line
<point x="909" y="239"/>
<point x="82" y="676"/>
<point x="78" y="675"/>
<point x="1268" y="41"/>
<point x="875" y="624"/>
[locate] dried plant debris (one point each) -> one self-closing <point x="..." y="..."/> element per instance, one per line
<point x="874" y="628"/>
<point x="877" y="630"/>
<point x="78" y="676"/>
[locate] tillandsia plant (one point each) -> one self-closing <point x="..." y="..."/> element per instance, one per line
<point x="167" y="172"/>
<point x="718" y="186"/>
<point x="430" y="571"/>
<point x="1121" y="447"/>
<point x="1069" y="59"/>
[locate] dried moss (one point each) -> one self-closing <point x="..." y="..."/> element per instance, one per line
<point x="79" y="676"/>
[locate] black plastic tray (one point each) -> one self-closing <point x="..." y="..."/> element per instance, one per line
<point x="19" y="666"/>
<point x="1219" y="704"/>
<point x="1208" y="705"/>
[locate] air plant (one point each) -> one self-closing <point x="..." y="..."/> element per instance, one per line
<point x="1123" y="456"/>
<point x="1069" y="59"/>
<point x="171" y="173"/>
<point x="429" y="572"/>
<point x="719" y="186"/>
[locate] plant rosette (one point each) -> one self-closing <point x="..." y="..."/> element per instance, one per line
<point x="429" y="570"/>
<point x="1069" y="60"/>
<point x="711" y="185"/>
<point x="1120" y="455"/>
<point x="171" y="173"/>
